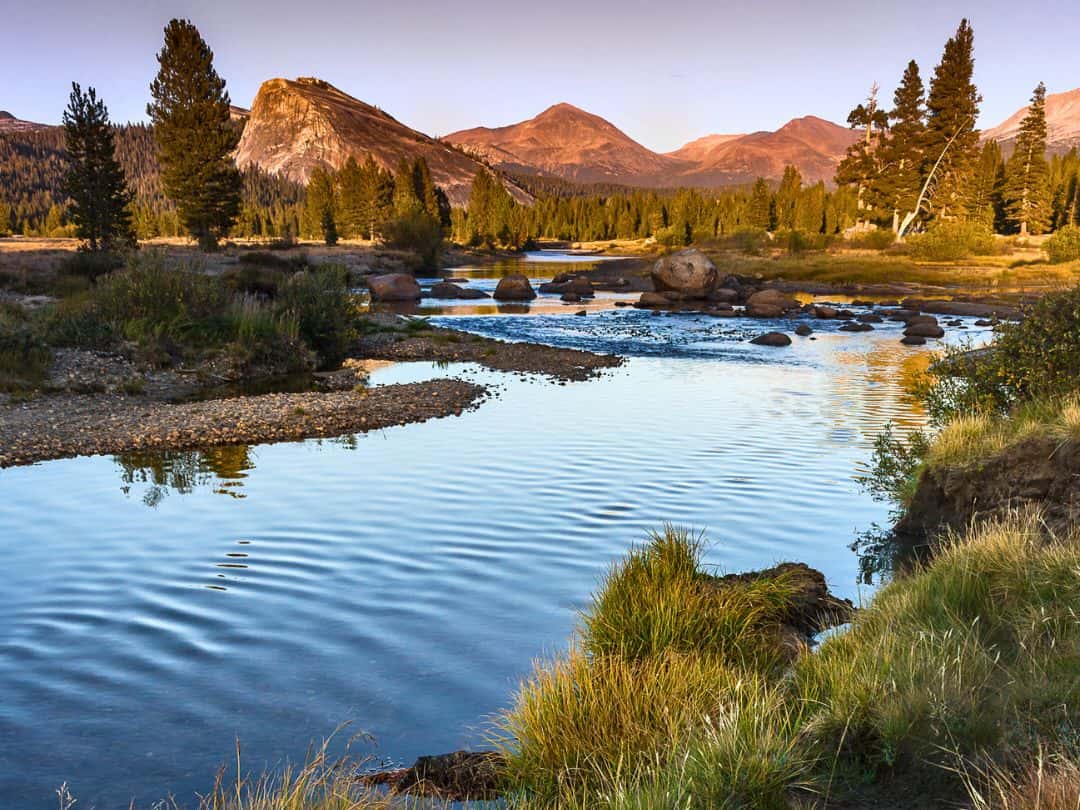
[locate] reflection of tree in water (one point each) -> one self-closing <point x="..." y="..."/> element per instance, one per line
<point x="223" y="468"/>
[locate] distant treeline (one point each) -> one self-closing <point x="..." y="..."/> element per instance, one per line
<point x="33" y="165"/>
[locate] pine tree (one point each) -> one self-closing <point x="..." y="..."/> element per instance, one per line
<point x="375" y="197"/>
<point x="329" y="228"/>
<point x="987" y="182"/>
<point x="1027" y="175"/>
<point x="424" y="188"/>
<point x="5" y="218"/>
<point x="95" y="182"/>
<point x="406" y="200"/>
<point x="759" y="209"/>
<point x="787" y="197"/>
<point x="195" y="137"/>
<point x="860" y="167"/>
<point x="319" y="202"/>
<point x="952" y="141"/>
<point x="902" y="151"/>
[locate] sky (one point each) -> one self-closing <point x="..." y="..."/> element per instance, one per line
<point x="663" y="72"/>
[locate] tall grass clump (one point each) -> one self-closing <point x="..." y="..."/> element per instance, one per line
<point x="1064" y="245"/>
<point x="1044" y="782"/>
<point x="974" y="655"/>
<point x="952" y="240"/>
<point x="320" y="303"/>
<point x="659" y="598"/>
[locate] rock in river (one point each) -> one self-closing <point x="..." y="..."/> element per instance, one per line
<point x="393" y="287"/>
<point x="803" y="329"/>
<point x="514" y="287"/>
<point x="688" y="273"/>
<point x="772" y="339"/>
<point x="924" y="330"/>
<point x="769" y="304"/>
<point x="445" y="289"/>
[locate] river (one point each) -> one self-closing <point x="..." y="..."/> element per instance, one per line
<point x="158" y="607"/>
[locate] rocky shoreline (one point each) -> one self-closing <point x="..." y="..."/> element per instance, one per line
<point x="51" y="427"/>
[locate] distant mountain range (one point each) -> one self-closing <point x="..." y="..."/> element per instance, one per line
<point x="568" y="142"/>
<point x="294" y="126"/>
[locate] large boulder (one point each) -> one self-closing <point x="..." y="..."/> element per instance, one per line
<point x="652" y="300"/>
<point x="578" y="285"/>
<point x="688" y="273"/>
<point x="770" y="304"/>
<point x="515" y="287"/>
<point x="393" y="287"/>
<point x="444" y="289"/>
<point x="924" y="330"/>
<point x="772" y="339"/>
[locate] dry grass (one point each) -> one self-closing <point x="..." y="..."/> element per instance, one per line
<point x="971" y="440"/>
<point x="1046" y="783"/>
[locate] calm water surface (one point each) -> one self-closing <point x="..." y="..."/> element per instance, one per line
<point x="155" y="608"/>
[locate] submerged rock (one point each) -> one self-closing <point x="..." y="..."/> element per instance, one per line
<point x="803" y="329"/>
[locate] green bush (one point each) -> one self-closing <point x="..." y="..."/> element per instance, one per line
<point x="952" y="240"/>
<point x="417" y="232"/>
<point x="90" y="265"/>
<point x="323" y="308"/>
<point x="752" y="241"/>
<point x="1037" y="358"/>
<point x="24" y="356"/>
<point x="877" y="239"/>
<point x="1064" y="245"/>
<point x="798" y="241"/>
<point x="263" y="258"/>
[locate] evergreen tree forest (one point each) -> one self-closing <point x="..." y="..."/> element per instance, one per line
<point x="922" y="162"/>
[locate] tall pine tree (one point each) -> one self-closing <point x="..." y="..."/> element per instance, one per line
<point x="860" y="167"/>
<point x="194" y="134"/>
<point x="951" y="145"/>
<point x="1027" y="174"/>
<point x="902" y="150"/>
<point x="100" y="199"/>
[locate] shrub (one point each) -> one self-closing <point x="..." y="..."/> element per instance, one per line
<point x="417" y="232"/>
<point x="797" y="241"/>
<point x="951" y="240"/>
<point x="91" y="265"/>
<point x="752" y="241"/>
<point x="263" y="258"/>
<point x="24" y="356"/>
<point x="1036" y="358"/>
<point x="1064" y="245"/>
<point x="876" y="239"/>
<point x="254" y="279"/>
<point x="323" y="309"/>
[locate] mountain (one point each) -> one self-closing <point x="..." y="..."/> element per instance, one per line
<point x="813" y="145"/>
<point x="698" y="151"/>
<point x="569" y="142"/>
<point x="294" y="126"/>
<point x="1062" y="123"/>
<point x="9" y="123"/>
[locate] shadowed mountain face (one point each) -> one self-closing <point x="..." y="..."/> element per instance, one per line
<point x="294" y="126"/>
<point x="568" y="142"/>
<point x="1062" y="123"/>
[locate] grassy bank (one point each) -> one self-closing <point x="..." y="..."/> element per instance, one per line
<point x="967" y="666"/>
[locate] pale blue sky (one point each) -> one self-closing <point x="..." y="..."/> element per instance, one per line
<point x="665" y="72"/>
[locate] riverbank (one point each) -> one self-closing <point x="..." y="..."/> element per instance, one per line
<point x="53" y="427"/>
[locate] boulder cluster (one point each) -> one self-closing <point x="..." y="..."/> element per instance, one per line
<point x="689" y="281"/>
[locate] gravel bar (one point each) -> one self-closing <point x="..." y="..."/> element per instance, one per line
<point x="50" y="427"/>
